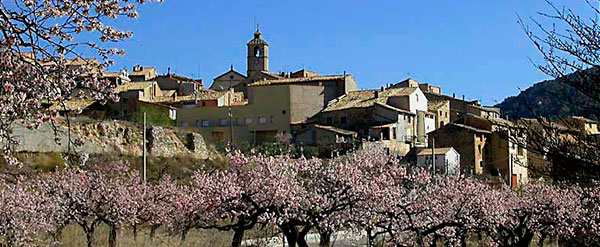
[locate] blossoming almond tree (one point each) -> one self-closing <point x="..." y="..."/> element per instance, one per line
<point x="42" y="44"/>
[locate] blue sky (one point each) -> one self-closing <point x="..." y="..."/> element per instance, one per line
<point x="470" y="47"/>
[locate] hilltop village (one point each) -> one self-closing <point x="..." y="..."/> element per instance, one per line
<point x="413" y="120"/>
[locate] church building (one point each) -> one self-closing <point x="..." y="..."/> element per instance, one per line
<point x="258" y="68"/>
<point x="274" y="103"/>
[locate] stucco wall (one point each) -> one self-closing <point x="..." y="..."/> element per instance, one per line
<point x="306" y="100"/>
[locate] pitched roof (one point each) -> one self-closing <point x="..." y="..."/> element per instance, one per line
<point x="436" y="104"/>
<point x="134" y="86"/>
<point x="427" y="151"/>
<point x="202" y="94"/>
<point x="298" y="80"/>
<point x="229" y="71"/>
<point x="179" y="78"/>
<point x="583" y="119"/>
<point x="336" y="130"/>
<point x="257" y="39"/>
<point x="72" y="105"/>
<point x="366" y="98"/>
<point x="470" y="128"/>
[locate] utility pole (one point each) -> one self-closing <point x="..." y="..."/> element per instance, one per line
<point x="230" y="113"/>
<point x="433" y="156"/>
<point x="144" y="150"/>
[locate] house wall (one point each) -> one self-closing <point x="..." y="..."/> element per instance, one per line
<point x="442" y="114"/>
<point x="508" y="157"/>
<point x="261" y="105"/>
<point x="429" y="124"/>
<point x="306" y="100"/>
<point x="466" y="143"/>
<point x="447" y="163"/>
<point x="418" y="101"/>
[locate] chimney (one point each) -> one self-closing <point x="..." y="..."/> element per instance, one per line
<point x="376" y="94"/>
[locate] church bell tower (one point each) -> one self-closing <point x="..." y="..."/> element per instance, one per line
<point x="258" y="55"/>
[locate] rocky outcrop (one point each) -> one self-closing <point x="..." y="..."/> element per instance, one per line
<point x="117" y="138"/>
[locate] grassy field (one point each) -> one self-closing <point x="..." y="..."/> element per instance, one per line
<point x="73" y="236"/>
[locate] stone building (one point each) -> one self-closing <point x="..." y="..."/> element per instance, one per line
<point x="584" y="125"/>
<point x="397" y="118"/>
<point x="140" y="73"/>
<point x="487" y="147"/>
<point x="258" y="68"/>
<point x="180" y="84"/>
<point x="441" y="110"/>
<point x="274" y="103"/>
<point x="328" y="140"/>
<point x="447" y="160"/>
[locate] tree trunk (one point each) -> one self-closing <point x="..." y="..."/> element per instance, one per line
<point x="301" y="240"/>
<point x="89" y="234"/>
<point x="184" y="234"/>
<point x="135" y="232"/>
<point x="112" y="237"/>
<point x="238" y="237"/>
<point x="58" y="236"/>
<point x="370" y="238"/>
<point x="325" y="238"/>
<point x="525" y="240"/>
<point x="153" y="232"/>
<point x="291" y="235"/>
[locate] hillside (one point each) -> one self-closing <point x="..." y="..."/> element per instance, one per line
<point x="548" y="99"/>
<point x="112" y="138"/>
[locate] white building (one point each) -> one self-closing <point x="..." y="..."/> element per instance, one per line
<point x="447" y="160"/>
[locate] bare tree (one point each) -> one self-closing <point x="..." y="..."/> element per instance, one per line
<point x="42" y="47"/>
<point x="570" y="48"/>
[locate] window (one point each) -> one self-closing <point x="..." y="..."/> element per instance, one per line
<point x="223" y="122"/>
<point x="183" y="124"/>
<point x="272" y="119"/>
<point x="203" y="103"/>
<point x="417" y="97"/>
<point x="329" y="120"/>
<point x="257" y="51"/>
<point x="343" y="120"/>
<point x="520" y="151"/>
<point x="283" y="112"/>
<point x="248" y="121"/>
<point x="205" y="123"/>
<point x="262" y="120"/>
<point x="394" y="133"/>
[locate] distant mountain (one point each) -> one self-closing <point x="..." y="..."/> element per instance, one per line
<point x="548" y="99"/>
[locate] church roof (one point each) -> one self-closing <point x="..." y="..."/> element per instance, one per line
<point x="230" y="71"/>
<point x="257" y="39"/>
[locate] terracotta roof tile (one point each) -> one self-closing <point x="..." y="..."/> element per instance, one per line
<point x="134" y="86"/>
<point x="427" y="151"/>
<point x="336" y="130"/>
<point x="366" y="98"/>
<point x="298" y="80"/>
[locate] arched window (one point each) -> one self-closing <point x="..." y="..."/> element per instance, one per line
<point x="257" y="51"/>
